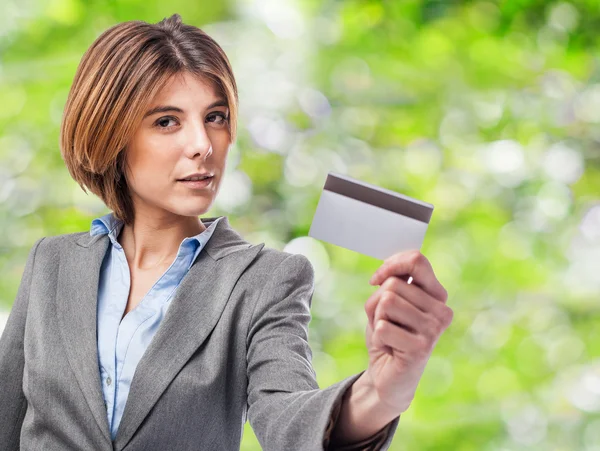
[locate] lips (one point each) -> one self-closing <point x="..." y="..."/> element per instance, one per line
<point x="195" y="179"/>
<point x="198" y="175"/>
<point x="197" y="184"/>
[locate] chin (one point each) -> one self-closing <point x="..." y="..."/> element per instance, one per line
<point x="192" y="211"/>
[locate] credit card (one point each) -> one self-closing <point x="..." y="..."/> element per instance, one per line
<point x="369" y="219"/>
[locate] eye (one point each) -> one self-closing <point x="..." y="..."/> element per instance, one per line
<point x="218" y="118"/>
<point x="162" y="123"/>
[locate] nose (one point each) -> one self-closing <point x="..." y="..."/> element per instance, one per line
<point x="197" y="142"/>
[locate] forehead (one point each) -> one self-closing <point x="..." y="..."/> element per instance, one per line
<point x="187" y="86"/>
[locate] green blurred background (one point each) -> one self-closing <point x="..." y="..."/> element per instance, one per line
<point x="488" y="110"/>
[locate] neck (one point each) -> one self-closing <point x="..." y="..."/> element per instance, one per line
<point x="153" y="241"/>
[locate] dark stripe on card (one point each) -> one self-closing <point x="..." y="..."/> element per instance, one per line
<point x="379" y="197"/>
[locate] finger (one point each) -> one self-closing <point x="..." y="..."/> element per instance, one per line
<point x="374" y="342"/>
<point x="371" y="303"/>
<point x="418" y="298"/>
<point x="415" y="264"/>
<point x="398" y="310"/>
<point x="382" y="311"/>
<point x="382" y="271"/>
<point x="399" y="339"/>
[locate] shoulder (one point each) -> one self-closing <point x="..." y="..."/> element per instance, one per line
<point x="275" y="263"/>
<point x="54" y="243"/>
<point x="45" y="251"/>
<point x="274" y="257"/>
<point x="279" y="279"/>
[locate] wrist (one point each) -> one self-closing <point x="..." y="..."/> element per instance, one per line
<point x="362" y="414"/>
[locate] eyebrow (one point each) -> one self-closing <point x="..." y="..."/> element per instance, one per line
<point x="165" y="108"/>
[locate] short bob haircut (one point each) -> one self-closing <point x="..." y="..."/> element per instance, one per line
<point x="118" y="76"/>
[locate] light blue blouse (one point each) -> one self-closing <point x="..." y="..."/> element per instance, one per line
<point x="121" y="344"/>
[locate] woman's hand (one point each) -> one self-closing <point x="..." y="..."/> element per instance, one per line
<point x="405" y="323"/>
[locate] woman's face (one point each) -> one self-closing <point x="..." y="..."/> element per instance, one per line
<point x="188" y="135"/>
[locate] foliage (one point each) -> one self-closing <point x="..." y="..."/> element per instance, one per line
<point x="488" y="110"/>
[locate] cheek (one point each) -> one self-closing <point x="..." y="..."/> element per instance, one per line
<point x="152" y="165"/>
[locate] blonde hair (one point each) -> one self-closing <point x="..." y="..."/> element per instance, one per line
<point x="120" y="73"/>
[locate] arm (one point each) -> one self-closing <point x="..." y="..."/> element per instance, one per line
<point x="13" y="404"/>
<point x="359" y="421"/>
<point x="286" y="408"/>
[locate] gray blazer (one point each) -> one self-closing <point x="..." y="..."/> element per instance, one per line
<point x="233" y="344"/>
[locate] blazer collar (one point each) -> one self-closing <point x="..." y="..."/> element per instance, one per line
<point x="224" y="240"/>
<point x="194" y="311"/>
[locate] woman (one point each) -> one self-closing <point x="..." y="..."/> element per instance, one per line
<point x="160" y="330"/>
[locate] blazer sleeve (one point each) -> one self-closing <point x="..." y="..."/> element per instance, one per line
<point x="286" y="408"/>
<point x="13" y="404"/>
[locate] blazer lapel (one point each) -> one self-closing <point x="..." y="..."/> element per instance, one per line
<point x="194" y="311"/>
<point x="76" y="296"/>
